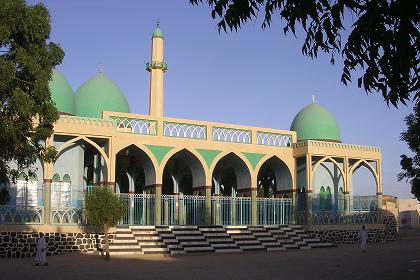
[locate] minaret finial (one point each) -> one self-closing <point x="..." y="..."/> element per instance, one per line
<point x="101" y="68"/>
<point x="313" y="98"/>
<point x="157" y="24"/>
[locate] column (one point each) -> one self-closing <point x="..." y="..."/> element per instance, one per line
<point x="47" y="201"/>
<point x="254" y="207"/>
<point x="309" y="189"/>
<point x="207" y="210"/>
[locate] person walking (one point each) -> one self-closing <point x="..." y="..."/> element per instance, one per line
<point x="41" y="251"/>
<point x="363" y="239"/>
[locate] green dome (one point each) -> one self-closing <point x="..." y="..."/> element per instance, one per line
<point x="315" y="123"/>
<point x="61" y="93"/>
<point x="99" y="94"/>
<point x="157" y="33"/>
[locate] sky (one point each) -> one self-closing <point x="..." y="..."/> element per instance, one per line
<point x="251" y="77"/>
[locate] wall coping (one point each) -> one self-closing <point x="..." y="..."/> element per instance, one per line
<point x="52" y="228"/>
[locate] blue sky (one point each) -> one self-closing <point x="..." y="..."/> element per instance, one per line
<point x="251" y="77"/>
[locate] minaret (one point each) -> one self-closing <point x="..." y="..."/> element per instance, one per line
<point x="156" y="66"/>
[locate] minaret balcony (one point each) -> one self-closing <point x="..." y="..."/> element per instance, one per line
<point x="156" y="65"/>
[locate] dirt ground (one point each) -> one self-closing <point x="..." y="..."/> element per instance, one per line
<point x="392" y="260"/>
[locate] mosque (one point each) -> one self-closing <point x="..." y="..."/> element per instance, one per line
<point x="174" y="171"/>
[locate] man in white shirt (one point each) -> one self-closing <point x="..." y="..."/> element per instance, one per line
<point x="363" y="239"/>
<point x="41" y="251"/>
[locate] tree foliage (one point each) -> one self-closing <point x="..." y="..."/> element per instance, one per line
<point x="4" y="195"/>
<point x="383" y="40"/>
<point x="411" y="165"/>
<point x="104" y="209"/>
<point x="27" y="113"/>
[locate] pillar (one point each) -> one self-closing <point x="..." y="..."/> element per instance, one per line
<point x="207" y="210"/>
<point x="47" y="201"/>
<point x="309" y="207"/>
<point x="156" y="189"/>
<point x="254" y="207"/>
<point x="308" y="189"/>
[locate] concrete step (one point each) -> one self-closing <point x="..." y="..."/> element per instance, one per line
<point x="215" y="235"/>
<point x="187" y="233"/>
<point x="228" y="250"/>
<point x="276" y="249"/>
<point x="170" y="241"/>
<point x="261" y="234"/>
<point x="145" y="228"/>
<point x="147" y="238"/>
<point x="123" y="247"/>
<point x="224" y="245"/>
<point x="321" y="245"/>
<point x="154" y="250"/>
<point x="195" y="244"/>
<point x="124" y="241"/>
<point x="220" y="240"/>
<point x="242" y="237"/>
<point x="252" y="248"/>
<point x="267" y="239"/>
<point x="198" y="249"/>
<point x="187" y="238"/>
<point x="247" y="242"/>
<point x="141" y="243"/>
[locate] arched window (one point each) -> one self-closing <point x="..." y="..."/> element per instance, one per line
<point x="27" y="190"/>
<point x="328" y="199"/>
<point x="61" y="191"/>
<point x="340" y="199"/>
<point x="56" y="178"/>
<point x="322" y="198"/>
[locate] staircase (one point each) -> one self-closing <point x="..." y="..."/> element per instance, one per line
<point x="208" y="239"/>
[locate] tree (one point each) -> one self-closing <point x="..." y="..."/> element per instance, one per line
<point x="383" y="40"/>
<point x="103" y="209"/>
<point x="27" y="113"/>
<point x="4" y="195"/>
<point x="411" y="165"/>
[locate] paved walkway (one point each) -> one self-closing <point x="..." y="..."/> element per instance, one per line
<point x="393" y="260"/>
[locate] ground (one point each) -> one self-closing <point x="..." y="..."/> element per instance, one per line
<point x="392" y="260"/>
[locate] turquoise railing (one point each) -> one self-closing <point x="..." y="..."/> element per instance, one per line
<point x="183" y="210"/>
<point x="21" y="215"/>
<point x="274" y="211"/>
<point x="231" y="210"/>
<point x="140" y="209"/>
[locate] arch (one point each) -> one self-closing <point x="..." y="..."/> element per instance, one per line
<point x="56" y="178"/>
<point x="22" y="176"/>
<point x="96" y="146"/>
<point x="134" y="169"/>
<point x="319" y="162"/>
<point x="336" y="179"/>
<point x="229" y="166"/>
<point x="364" y="163"/>
<point x="183" y="172"/>
<point x="352" y="178"/>
<point x="277" y="168"/>
<point x="224" y="154"/>
<point x="66" y="178"/>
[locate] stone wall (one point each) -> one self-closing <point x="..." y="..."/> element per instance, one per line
<point x="23" y="244"/>
<point x="348" y="236"/>
<point x="389" y="233"/>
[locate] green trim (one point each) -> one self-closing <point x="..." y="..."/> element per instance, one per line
<point x="156" y="65"/>
<point x="208" y="155"/>
<point x="159" y="151"/>
<point x="254" y="158"/>
<point x="157" y="33"/>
